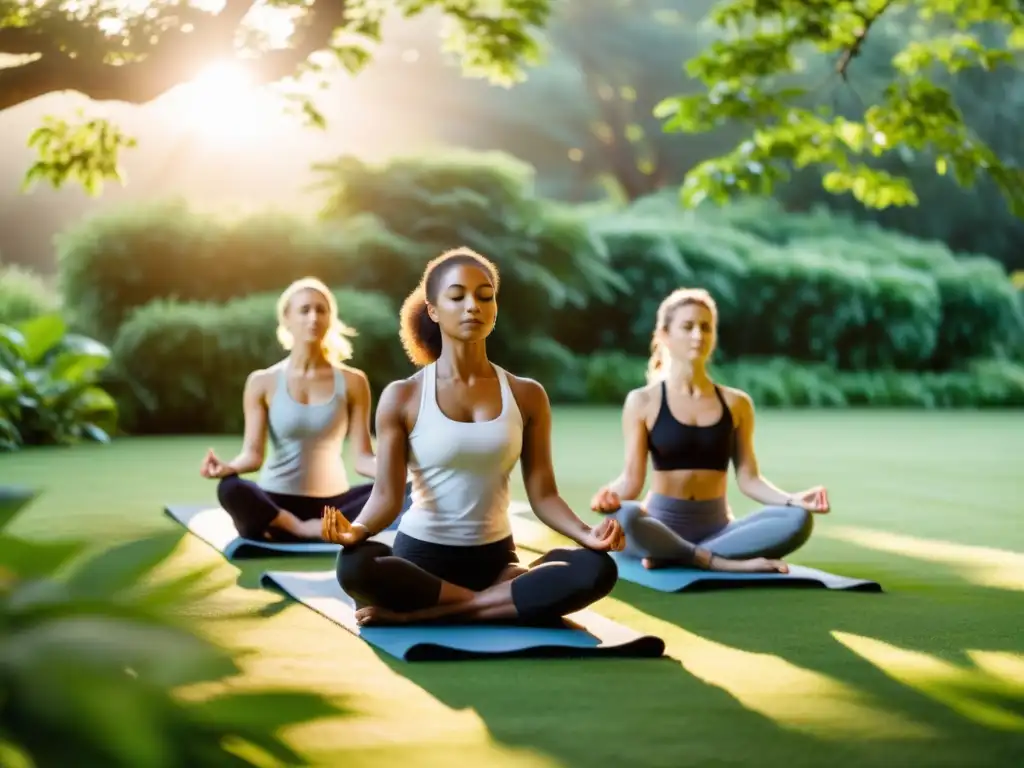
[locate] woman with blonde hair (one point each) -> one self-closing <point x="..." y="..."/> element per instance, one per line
<point x="692" y="428"/>
<point x="306" y="405"/>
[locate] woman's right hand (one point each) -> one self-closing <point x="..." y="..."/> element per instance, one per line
<point x="605" y="501"/>
<point x="336" y="529"/>
<point x="213" y="468"/>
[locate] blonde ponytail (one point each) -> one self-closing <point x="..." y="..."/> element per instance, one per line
<point x="335" y="345"/>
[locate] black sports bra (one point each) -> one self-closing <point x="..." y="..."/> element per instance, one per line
<point x="673" y="445"/>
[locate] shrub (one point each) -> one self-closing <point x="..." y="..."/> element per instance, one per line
<point x="48" y="386"/>
<point x="115" y="263"/>
<point x="183" y="365"/>
<point x="644" y="255"/>
<point x="778" y="382"/>
<point x="981" y="312"/>
<point x="94" y="653"/>
<point x="548" y="257"/>
<point x="23" y="295"/>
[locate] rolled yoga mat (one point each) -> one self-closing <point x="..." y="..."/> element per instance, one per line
<point x="582" y="635"/>
<point x="697" y="580"/>
<point x="215" y="526"/>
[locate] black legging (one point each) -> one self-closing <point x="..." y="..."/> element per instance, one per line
<point x="561" y="582"/>
<point x="253" y="509"/>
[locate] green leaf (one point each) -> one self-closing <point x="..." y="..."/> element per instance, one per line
<point x="122" y="567"/>
<point x="34" y="560"/>
<point x="41" y="334"/>
<point x="9" y="384"/>
<point x="13" y="499"/>
<point x="14" y="340"/>
<point x="941" y="166"/>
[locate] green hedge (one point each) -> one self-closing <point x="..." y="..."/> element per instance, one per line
<point x="24" y="295"/>
<point x="777" y="382"/>
<point x="812" y="287"/>
<point x="800" y="301"/>
<point x="116" y="262"/>
<point x="182" y="366"/>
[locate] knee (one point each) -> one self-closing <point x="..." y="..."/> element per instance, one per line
<point x="596" y="571"/>
<point x="355" y="567"/>
<point x="799" y="524"/>
<point x="228" y="489"/>
<point x="628" y="514"/>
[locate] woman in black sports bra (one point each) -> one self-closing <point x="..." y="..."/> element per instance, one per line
<point x="692" y="428"/>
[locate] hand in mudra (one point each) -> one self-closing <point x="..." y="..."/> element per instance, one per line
<point x="336" y="529"/>
<point x="606" y="536"/>
<point x="605" y="501"/>
<point x="213" y="468"/>
<point x="813" y="500"/>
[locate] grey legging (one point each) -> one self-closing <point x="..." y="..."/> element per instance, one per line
<point x="672" y="529"/>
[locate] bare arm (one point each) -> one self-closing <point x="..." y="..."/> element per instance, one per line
<point x="630" y="483"/>
<point x="254" y="440"/>
<point x="364" y="461"/>
<point x="748" y="474"/>
<point x="388" y="492"/>
<point x="538" y="472"/>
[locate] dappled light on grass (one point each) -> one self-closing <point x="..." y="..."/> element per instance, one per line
<point x="986" y="693"/>
<point x="794" y="698"/>
<point x="984" y="566"/>
<point x="298" y="644"/>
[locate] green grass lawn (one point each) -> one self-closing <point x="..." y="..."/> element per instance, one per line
<point x="929" y="674"/>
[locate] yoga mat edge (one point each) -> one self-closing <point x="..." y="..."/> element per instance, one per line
<point x="424" y="642"/>
<point x="695" y="580"/>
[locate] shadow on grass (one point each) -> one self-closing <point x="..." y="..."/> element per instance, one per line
<point x="946" y="660"/>
<point x="921" y="675"/>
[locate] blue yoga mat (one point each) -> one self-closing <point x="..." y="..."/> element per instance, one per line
<point x="584" y="634"/>
<point x="215" y="526"/>
<point x="696" y="580"/>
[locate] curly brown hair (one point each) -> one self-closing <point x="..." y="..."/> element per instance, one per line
<point x="421" y="336"/>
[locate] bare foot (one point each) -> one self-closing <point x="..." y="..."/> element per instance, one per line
<point x="651" y="564"/>
<point x="373" y="614"/>
<point x="754" y="565"/>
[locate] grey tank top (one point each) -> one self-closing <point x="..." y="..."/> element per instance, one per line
<point x="306" y="442"/>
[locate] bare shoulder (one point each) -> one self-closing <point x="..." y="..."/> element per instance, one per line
<point x="641" y="398"/>
<point x="529" y="393"/>
<point x="739" y="402"/>
<point x="261" y="380"/>
<point x="641" y="403"/>
<point x="400" y="396"/>
<point x="355" y="379"/>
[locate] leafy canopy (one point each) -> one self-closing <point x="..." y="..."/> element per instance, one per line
<point x="755" y="74"/>
<point x="135" y="51"/>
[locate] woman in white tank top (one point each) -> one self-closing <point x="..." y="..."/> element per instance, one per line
<point x="306" y="405"/>
<point x="459" y="427"/>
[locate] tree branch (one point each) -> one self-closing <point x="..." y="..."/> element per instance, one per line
<point x="176" y="58"/>
<point x="847" y="56"/>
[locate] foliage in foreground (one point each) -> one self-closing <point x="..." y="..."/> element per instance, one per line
<point x="49" y="391"/>
<point x="94" y="664"/>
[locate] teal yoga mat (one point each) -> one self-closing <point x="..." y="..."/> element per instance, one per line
<point x="584" y="634"/>
<point x="696" y="580"/>
<point x="214" y="526"/>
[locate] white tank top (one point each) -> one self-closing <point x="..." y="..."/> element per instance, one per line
<point x="460" y="471"/>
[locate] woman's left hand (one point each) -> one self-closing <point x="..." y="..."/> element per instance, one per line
<point x="813" y="500"/>
<point x="606" y="536"/>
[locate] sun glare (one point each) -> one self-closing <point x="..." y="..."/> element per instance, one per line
<point x="223" y="105"/>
